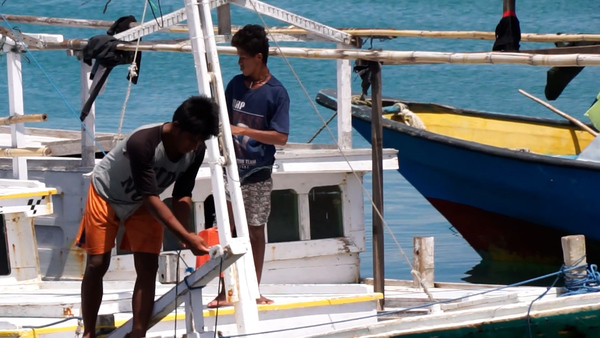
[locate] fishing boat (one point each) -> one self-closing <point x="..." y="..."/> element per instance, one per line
<point x="511" y="185"/>
<point x="313" y="253"/>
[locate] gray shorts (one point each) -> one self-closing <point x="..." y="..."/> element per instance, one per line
<point x="257" y="201"/>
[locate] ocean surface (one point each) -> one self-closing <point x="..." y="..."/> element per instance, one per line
<point x="166" y="79"/>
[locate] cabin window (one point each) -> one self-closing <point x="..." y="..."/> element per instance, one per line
<point x="4" y="261"/>
<point x="325" y="205"/>
<point x="283" y="224"/>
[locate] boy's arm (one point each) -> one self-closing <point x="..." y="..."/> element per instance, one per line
<point x="182" y="191"/>
<point x="162" y="212"/>
<point x="265" y="136"/>
<point x="181" y="208"/>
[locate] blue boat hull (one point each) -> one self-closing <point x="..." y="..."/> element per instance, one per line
<point x="506" y="208"/>
<point x="509" y="205"/>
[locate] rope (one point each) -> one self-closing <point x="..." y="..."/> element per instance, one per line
<point x="132" y="72"/>
<point x="322" y="127"/>
<point x="417" y="275"/>
<point x="577" y="282"/>
<point x="403" y="115"/>
<point x="54" y="86"/>
<point x="408" y="117"/>
<point x="221" y="142"/>
<point x="367" y="194"/>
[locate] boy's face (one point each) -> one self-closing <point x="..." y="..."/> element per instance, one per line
<point x="187" y="141"/>
<point x="249" y="64"/>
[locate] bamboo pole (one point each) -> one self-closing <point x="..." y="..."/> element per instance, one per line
<point x="25" y="152"/>
<point x="23" y="119"/>
<point x="561" y="113"/>
<point x="359" y="32"/>
<point x="388" y="57"/>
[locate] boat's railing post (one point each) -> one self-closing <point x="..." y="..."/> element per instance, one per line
<point x="16" y="106"/>
<point x="423" y="262"/>
<point x="88" y="134"/>
<point x="344" y="104"/>
<point x="574" y="254"/>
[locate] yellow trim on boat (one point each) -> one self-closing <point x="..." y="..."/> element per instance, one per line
<point x="511" y="134"/>
<point x="34" y="333"/>
<point x="302" y="304"/>
<point x="45" y="192"/>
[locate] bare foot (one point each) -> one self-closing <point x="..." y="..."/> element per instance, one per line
<point x="264" y="300"/>
<point x="220" y="301"/>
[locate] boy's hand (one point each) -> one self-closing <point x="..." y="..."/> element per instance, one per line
<point x="237" y="130"/>
<point x="197" y="245"/>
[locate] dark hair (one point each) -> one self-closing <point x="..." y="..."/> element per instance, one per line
<point x="198" y="115"/>
<point x="252" y="39"/>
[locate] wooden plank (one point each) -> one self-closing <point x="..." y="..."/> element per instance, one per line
<point x="51" y="132"/>
<point x="73" y="147"/>
<point x="61" y="142"/>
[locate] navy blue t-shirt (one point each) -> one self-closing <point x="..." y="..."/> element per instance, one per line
<point x="264" y="108"/>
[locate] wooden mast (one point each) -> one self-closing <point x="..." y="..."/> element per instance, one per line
<point x="377" y="183"/>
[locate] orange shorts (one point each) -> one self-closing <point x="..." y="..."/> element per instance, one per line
<point x="99" y="225"/>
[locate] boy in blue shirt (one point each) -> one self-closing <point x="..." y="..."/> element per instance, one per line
<point x="258" y="106"/>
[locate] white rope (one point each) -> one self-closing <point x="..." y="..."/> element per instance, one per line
<point x="132" y="72"/>
<point x="377" y="211"/>
<point x="408" y="117"/>
<point x="417" y="275"/>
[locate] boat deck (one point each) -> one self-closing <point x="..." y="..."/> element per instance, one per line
<point x="332" y="305"/>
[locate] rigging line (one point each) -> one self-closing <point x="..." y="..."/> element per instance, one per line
<point x="152" y="8"/>
<point x="132" y="72"/>
<point x="377" y="211"/>
<point x="24" y="45"/>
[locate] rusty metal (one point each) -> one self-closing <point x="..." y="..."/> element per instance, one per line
<point x="44" y="20"/>
<point x="28" y="40"/>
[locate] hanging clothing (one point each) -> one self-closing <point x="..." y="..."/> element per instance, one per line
<point x="103" y="49"/>
<point x="508" y="33"/>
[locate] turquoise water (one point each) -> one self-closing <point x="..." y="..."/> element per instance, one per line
<point x="166" y="79"/>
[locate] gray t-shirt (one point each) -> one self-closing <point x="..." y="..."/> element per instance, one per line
<point x="139" y="166"/>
